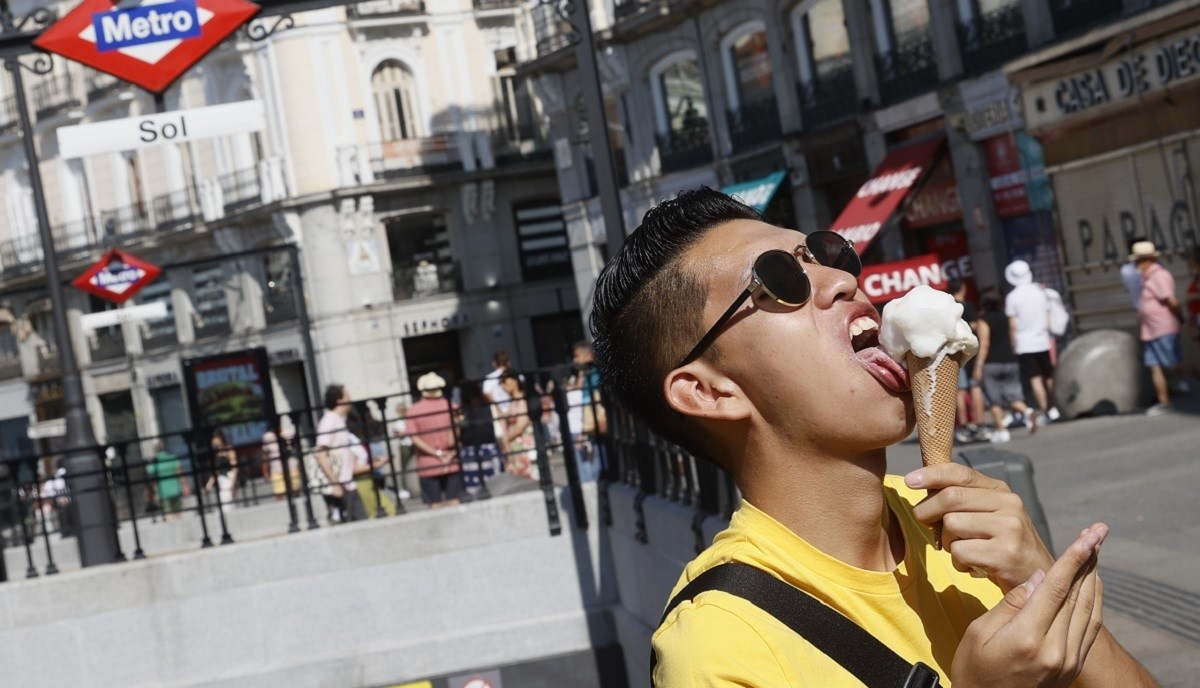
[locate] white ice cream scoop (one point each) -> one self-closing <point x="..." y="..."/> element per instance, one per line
<point x="928" y="323"/>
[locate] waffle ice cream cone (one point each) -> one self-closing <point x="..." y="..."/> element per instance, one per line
<point x="934" y="383"/>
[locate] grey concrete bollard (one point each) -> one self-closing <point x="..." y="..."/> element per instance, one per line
<point x="1099" y="373"/>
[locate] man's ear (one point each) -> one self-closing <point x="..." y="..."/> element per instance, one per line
<point x="697" y="390"/>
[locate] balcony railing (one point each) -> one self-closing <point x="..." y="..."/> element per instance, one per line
<point x="385" y="8"/>
<point x="398" y="159"/>
<point x="425" y="279"/>
<point x="684" y="149"/>
<point x="1071" y="16"/>
<point x="280" y="304"/>
<point x="127" y="221"/>
<point x="8" y="113"/>
<point x="10" y="360"/>
<point x="496" y="4"/>
<point x="909" y="70"/>
<point x="159" y="334"/>
<point x="54" y="93"/>
<point x="100" y="84"/>
<point x="754" y="124"/>
<point x="828" y="97"/>
<point x="240" y="189"/>
<point x="992" y="39"/>
<point x="48" y="361"/>
<point x="628" y="8"/>
<point x="106" y="344"/>
<point x="175" y="209"/>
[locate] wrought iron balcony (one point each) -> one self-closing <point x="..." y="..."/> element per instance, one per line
<point x="909" y="70"/>
<point x="684" y="149"/>
<point x="106" y="343"/>
<point x="48" y="361"/>
<point x="425" y="279"/>
<point x="8" y="113"/>
<point x="125" y="222"/>
<point x="54" y="93"/>
<point x="828" y="97"/>
<point x="496" y="4"/>
<point x="628" y="8"/>
<point x="1071" y="16"/>
<point x="175" y="209"/>
<point x="385" y="8"/>
<point x="754" y="124"/>
<point x="408" y="157"/>
<point x="240" y="189"/>
<point x="992" y="39"/>
<point x="158" y="334"/>
<point x="10" y="357"/>
<point x="100" y="84"/>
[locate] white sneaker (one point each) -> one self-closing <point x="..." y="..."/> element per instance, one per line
<point x="405" y="494"/>
<point x="1000" y="437"/>
<point x="1053" y="413"/>
<point x="1158" y="409"/>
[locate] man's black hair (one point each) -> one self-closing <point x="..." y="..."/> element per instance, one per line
<point x="954" y="285"/>
<point x="647" y="310"/>
<point x="333" y="395"/>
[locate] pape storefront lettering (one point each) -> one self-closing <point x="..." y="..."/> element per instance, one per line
<point x="1107" y="240"/>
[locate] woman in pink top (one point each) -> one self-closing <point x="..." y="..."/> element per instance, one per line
<point x="431" y="424"/>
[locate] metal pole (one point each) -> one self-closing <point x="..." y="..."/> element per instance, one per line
<point x="593" y="100"/>
<point x="310" y="359"/>
<point x="96" y="532"/>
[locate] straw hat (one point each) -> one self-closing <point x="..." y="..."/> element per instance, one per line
<point x="431" y="384"/>
<point x="1143" y="249"/>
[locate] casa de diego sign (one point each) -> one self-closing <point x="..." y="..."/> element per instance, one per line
<point x="149" y="43"/>
<point x="1146" y="69"/>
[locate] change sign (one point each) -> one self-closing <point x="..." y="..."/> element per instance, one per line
<point x="151" y="43"/>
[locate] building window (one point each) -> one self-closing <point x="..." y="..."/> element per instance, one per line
<point x="827" y="90"/>
<point x="542" y="241"/>
<point x="682" y="113"/>
<point x="395" y="101"/>
<point x="279" y="287"/>
<point x="751" y="68"/>
<point x="899" y="23"/>
<point x="422" y="262"/>
<point x="210" y="301"/>
<point x="905" y="64"/>
<point x="159" y="332"/>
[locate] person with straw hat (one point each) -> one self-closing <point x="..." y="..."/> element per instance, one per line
<point x="431" y="424"/>
<point x="1159" y="318"/>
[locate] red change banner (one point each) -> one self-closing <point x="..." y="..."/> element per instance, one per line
<point x="889" y="281"/>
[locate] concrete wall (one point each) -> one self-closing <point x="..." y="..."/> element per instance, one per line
<point x="428" y="594"/>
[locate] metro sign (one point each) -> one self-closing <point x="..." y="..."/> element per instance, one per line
<point x="150" y="44"/>
<point x="117" y="276"/>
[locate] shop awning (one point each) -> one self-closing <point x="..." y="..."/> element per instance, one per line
<point x="757" y="193"/>
<point x="883" y="194"/>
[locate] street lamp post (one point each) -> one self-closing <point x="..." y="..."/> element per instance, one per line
<point x="93" y="510"/>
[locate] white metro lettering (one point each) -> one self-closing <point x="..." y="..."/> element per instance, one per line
<point x="120" y="27"/>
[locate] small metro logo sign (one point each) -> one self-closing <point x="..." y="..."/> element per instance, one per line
<point x="117" y="276"/>
<point x="151" y="44"/>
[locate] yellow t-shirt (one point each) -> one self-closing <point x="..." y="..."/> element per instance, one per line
<point x="920" y="610"/>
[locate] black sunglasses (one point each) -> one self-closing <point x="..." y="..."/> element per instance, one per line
<point x="782" y="277"/>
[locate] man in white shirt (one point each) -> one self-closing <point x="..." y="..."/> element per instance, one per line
<point x="491" y="383"/>
<point x="1028" y="309"/>
<point x="335" y="457"/>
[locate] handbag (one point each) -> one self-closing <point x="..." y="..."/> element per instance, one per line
<point x="842" y="640"/>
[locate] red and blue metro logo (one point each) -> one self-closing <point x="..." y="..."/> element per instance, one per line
<point x="117" y="276"/>
<point x="151" y="43"/>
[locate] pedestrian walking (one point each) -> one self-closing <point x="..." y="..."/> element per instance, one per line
<point x="1159" y="319"/>
<point x="276" y="446"/>
<point x="224" y="473"/>
<point x="480" y="455"/>
<point x="997" y="370"/>
<point x="519" y="441"/>
<point x="1028" y="309"/>
<point x="501" y="364"/>
<point x="398" y="431"/>
<point x="333" y="472"/>
<point x="431" y="424"/>
<point x="969" y="417"/>
<point x="592" y="415"/>
<point x="1129" y="273"/>
<point x="166" y="471"/>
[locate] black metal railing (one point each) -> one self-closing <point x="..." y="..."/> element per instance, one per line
<point x="48" y="362"/>
<point x="10" y="360"/>
<point x="175" y="209"/>
<point x="100" y="84"/>
<point x="754" y="124"/>
<point x="106" y="343"/>
<point x="280" y="304"/>
<point x="54" y="93"/>
<point x="8" y="113"/>
<point x="425" y="279"/>
<point x="496" y="4"/>
<point x="628" y="8"/>
<point x="240" y="189"/>
<point x="129" y="220"/>
<point x="828" y="97"/>
<point x="407" y="157"/>
<point x="989" y="40"/>
<point x="909" y="70"/>
<point x="554" y="433"/>
<point x="385" y="8"/>
<point x="684" y="149"/>
<point x="78" y="239"/>
<point x="1073" y="16"/>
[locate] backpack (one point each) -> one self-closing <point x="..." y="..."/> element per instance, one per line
<point x="1058" y="318"/>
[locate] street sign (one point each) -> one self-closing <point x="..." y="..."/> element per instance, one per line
<point x="117" y="276"/>
<point x="131" y="133"/>
<point x="151" y="43"/>
<point x="147" y="311"/>
<point x="55" y="427"/>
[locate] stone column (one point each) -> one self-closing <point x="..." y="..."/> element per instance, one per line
<point x="985" y="235"/>
<point x="862" y="48"/>
<point x="943" y="27"/>
<point x="1039" y="24"/>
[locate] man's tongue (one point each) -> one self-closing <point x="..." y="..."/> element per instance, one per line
<point x="885" y="369"/>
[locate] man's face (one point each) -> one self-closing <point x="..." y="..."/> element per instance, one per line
<point x="797" y="366"/>
<point x="583" y="356"/>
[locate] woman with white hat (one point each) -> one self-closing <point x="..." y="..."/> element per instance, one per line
<point x="431" y="425"/>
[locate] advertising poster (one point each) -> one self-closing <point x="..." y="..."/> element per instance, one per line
<point x="231" y="391"/>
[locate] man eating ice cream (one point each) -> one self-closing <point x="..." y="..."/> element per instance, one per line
<point x="752" y="347"/>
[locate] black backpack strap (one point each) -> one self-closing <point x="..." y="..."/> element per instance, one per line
<point x="844" y="641"/>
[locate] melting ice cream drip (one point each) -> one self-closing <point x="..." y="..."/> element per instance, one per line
<point x="928" y="323"/>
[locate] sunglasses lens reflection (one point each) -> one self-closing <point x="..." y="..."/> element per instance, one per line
<point x="831" y="250"/>
<point x="783" y="277"/>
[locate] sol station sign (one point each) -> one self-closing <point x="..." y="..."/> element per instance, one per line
<point x="117" y="276"/>
<point x="149" y="43"/>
